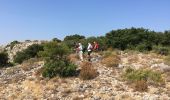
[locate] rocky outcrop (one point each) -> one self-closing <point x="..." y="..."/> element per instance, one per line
<point x="19" y="47"/>
<point x="1" y="48"/>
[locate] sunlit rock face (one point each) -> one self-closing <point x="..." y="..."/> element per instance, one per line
<point x="1" y="48"/>
<point x="19" y="47"/>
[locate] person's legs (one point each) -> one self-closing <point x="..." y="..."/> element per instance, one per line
<point x="89" y="55"/>
<point x="81" y="55"/>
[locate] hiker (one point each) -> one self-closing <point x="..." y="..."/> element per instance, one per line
<point x="76" y="45"/>
<point x="89" y="50"/>
<point x="95" y="46"/>
<point x="80" y="51"/>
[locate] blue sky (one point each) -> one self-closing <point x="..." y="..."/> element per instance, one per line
<point x="46" y="19"/>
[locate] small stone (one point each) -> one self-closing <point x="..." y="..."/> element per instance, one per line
<point x="96" y="98"/>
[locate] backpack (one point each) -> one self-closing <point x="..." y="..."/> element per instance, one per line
<point x="84" y="49"/>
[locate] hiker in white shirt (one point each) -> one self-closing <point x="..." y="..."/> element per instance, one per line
<point x="89" y="50"/>
<point x="80" y="51"/>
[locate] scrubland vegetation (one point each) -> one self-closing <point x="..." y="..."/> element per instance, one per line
<point x="55" y="52"/>
<point x="3" y="59"/>
<point x="60" y="61"/>
<point x="30" y="52"/>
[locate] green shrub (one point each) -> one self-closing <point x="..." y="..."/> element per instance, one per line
<point x="140" y="79"/>
<point x="144" y="47"/>
<point x="129" y="70"/>
<point x="60" y="68"/>
<point x="72" y="39"/>
<point x="56" y="62"/>
<point x="55" y="51"/>
<point x="161" y="50"/>
<point x="147" y="75"/>
<point x="3" y="59"/>
<point x="56" y="39"/>
<point x="12" y="44"/>
<point x="28" y="53"/>
<point x="20" y="57"/>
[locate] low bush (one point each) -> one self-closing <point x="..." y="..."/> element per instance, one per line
<point x="56" y="39"/>
<point x="55" y="51"/>
<point x="141" y="74"/>
<point x="144" y="47"/>
<point x="59" y="68"/>
<point x="20" y="57"/>
<point x="167" y="60"/>
<point x="140" y="79"/>
<point x="111" y="59"/>
<point x="87" y="71"/>
<point x="56" y="61"/>
<point x="30" y="52"/>
<point x="3" y="59"/>
<point x="161" y="50"/>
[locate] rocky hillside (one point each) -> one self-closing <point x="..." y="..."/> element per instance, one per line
<point x="24" y="82"/>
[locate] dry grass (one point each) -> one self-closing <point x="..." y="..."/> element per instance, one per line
<point x="11" y="71"/>
<point x="77" y="98"/>
<point x="126" y="97"/>
<point x="38" y="73"/>
<point x="167" y="60"/>
<point x="29" y="64"/>
<point x="168" y="77"/>
<point x="111" y="59"/>
<point x="73" y="58"/>
<point x="50" y="85"/>
<point x="140" y="86"/>
<point x="17" y="78"/>
<point x="87" y="71"/>
<point x="67" y="91"/>
<point x="54" y="80"/>
<point x="34" y="88"/>
<point x="133" y="59"/>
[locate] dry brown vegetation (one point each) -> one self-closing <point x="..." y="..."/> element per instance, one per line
<point x="29" y="64"/>
<point x="168" y="76"/>
<point x="126" y="97"/>
<point x="34" y="87"/>
<point x="77" y="98"/>
<point x="87" y="71"/>
<point x="111" y="59"/>
<point x="167" y="60"/>
<point x="141" y="86"/>
<point x="39" y="72"/>
<point x="133" y="59"/>
<point x="73" y="58"/>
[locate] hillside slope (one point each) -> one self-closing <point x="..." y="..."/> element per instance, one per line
<point x="25" y="82"/>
